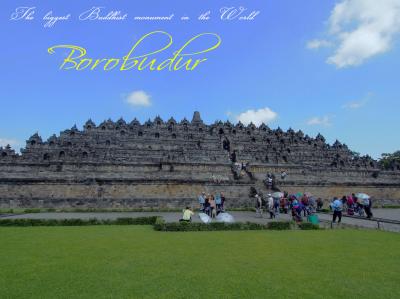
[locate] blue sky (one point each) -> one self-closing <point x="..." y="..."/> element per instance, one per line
<point x="319" y="66"/>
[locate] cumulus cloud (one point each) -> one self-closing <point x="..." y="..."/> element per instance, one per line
<point x="315" y="44"/>
<point x="361" y="29"/>
<point x="320" y="121"/>
<point x="138" y="98"/>
<point x="257" y="117"/>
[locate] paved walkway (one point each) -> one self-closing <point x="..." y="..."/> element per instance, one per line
<point x="393" y="214"/>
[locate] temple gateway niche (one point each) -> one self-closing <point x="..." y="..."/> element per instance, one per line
<point x="166" y="164"/>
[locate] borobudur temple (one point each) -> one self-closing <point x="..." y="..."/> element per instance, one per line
<point x="166" y="164"/>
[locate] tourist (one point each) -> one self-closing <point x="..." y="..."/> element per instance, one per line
<point x="207" y="208"/>
<point x="259" y="209"/>
<point x="344" y="200"/>
<point x="271" y="207"/>
<point x="276" y="205"/>
<point x="354" y="197"/>
<point x="213" y="207"/>
<point x="233" y="157"/>
<point x="367" y="203"/>
<point x="237" y="170"/>
<point x="187" y="215"/>
<point x="283" y="175"/>
<point x="223" y="201"/>
<point x="218" y="203"/>
<point x="320" y="204"/>
<point x="294" y="201"/>
<point x="304" y="202"/>
<point x="284" y="203"/>
<point x="337" y="207"/>
<point x="311" y="204"/>
<point x="359" y="207"/>
<point x="350" y="205"/>
<point x="202" y="201"/>
<point x="296" y="210"/>
<point x="269" y="181"/>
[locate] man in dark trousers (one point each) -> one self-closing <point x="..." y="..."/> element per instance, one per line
<point x="337" y="207"/>
<point x="367" y="207"/>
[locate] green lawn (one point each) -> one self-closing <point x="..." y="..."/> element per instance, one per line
<point x="137" y="262"/>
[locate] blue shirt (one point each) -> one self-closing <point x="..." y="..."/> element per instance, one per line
<point x="337" y="205"/>
<point x="201" y="199"/>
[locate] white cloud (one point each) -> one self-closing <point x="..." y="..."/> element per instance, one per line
<point x="358" y="104"/>
<point x="320" y="121"/>
<point x="138" y="98"/>
<point x="257" y="117"/>
<point x="362" y="29"/>
<point x="315" y="44"/>
<point x="354" y="105"/>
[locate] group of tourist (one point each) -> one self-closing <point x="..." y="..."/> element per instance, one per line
<point x="298" y="205"/>
<point x="303" y="205"/>
<point x="211" y="204"/>
<point x="352" y="204"/>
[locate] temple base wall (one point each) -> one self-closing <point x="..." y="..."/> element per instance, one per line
<point x="163" y="195"/>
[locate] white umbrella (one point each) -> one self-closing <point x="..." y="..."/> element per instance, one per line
<point x="277" y="194"/>
<point x="362" y="196"/>
<point x="204" y="218"/>
<point x="225" y="217"/>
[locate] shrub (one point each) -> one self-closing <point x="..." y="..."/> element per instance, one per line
<point x="214" y="226"/>
<point x="279" y="225"/>
<point x="78" y="222"/>
<point x="32" y="211"/>
<point x="390" y="207"/>
<point x="139" y="220"/>
<point x="308" y="226"/>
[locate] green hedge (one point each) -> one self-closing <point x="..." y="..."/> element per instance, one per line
<point x="78" y="222"/>
<point x="389" y="207"/>
<point x="32" y="211"/>
<point x="218" y="226"/>
<point x="159" y="224"/>
<point x="279" y="225"/>
<point x="139" y="220"/>
<point x="308" y="226"/>
<point x="84" y="210"/>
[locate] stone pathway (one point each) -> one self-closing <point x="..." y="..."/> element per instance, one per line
<point x="393" y="214"/>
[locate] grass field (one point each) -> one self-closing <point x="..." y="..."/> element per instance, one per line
<point x="137" y="262"/>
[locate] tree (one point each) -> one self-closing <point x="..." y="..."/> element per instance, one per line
<point x="390" y="161"/>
